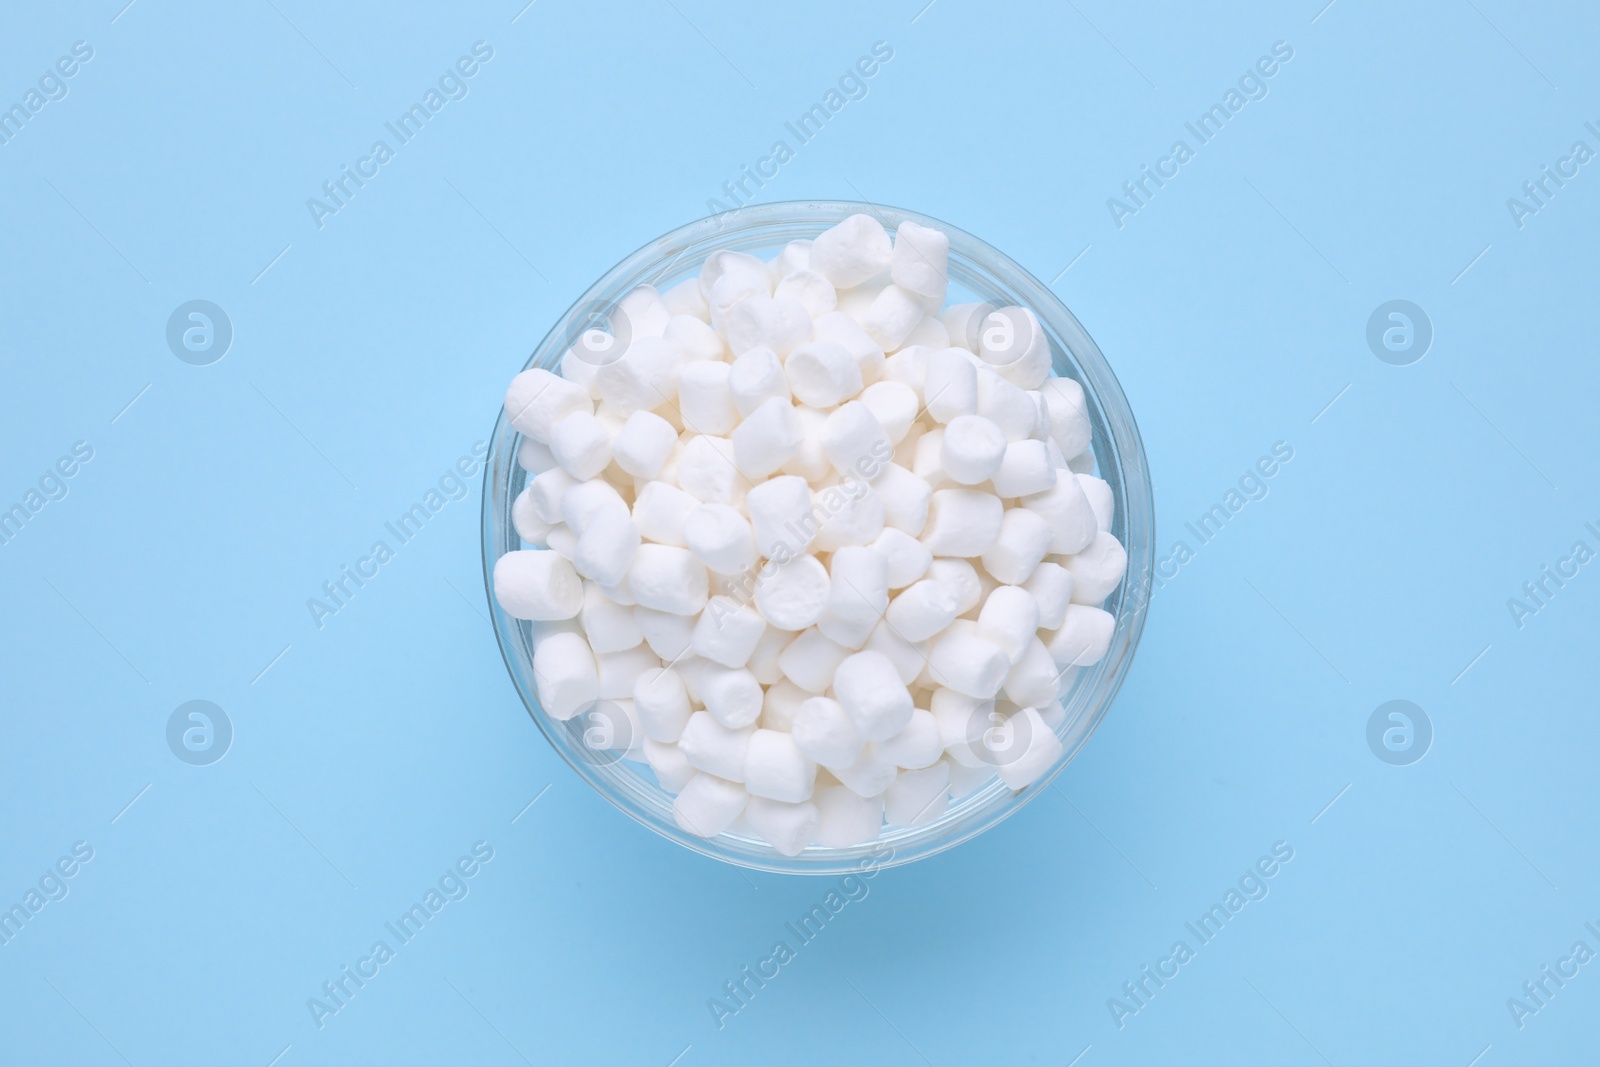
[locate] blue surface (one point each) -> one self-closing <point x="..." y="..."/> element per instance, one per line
<point x="371" y="753"/>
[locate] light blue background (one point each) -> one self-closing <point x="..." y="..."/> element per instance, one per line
<point x="374" y="751"/>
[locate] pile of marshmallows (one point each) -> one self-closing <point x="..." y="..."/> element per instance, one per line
<point x="820" y="551"/>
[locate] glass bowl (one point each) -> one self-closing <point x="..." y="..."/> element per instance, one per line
<point x="977" y="272"/>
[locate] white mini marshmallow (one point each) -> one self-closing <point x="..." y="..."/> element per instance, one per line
<point x="822" y="374"/>
<point x="905" y="499"/>
<point x="607" y="545"/>
<point x="906" y="558"/>
<point x="768" y="438"/>
<point x="581" y="444"/>
<point x="917" y="745"/>
<point x="768" y="322"/>
<point x="565" y="675"/>
<point x="1083" y="638"/>
<point x="1014" y="345"/>
<point x="949" y="384"/>
<point x="811" y="660"/>
<point x="973" y="449"/>
<point x="707" y="805"/>
<point x="894" y="313"/>
<point x="672" y="770"/>
<point x="1035" y="680"/>
<point x="917" y="797"/>
<point x="825" y="733"/>
<point x="756" y="377"/>
<point x="789" y="828"/>
<point x="562" y="541"/>
<point x="924" y="609"/>
<point x="733" y="289"/>
<point x="930" y="332"/>
<point x="845" y="819"/>
<point x="645" y="310"/>
<point x="809" y="461"/>
<point x="1097" y="569"/>
<point x="1098" y="492"/>
<point x="796" y="255"/>
<point x="1014" y="411"/>
<point x="706" y="470"/>
<point x="727" y="632"/>
<point x="963" y="721"/>
<point x="1069" y="415"/>
<point x="920" y="260"/>
<point x="618" y="671"/>
<point x="1023" y="542"/>
<point x="780" y="516"/>
<point x="909" y="660"/>
<point x="963" y="322"/>
<point x="894" y="405"/>
<point x="1010" y="618"/>
<point x="877" y="701"/>
<point x="965" y="781"/>
<point x="714" y="748"/>
<point x="537" y="401"/>
<point x="852" y="251"/>
<point x="962" y="577"/>
<point x="1051" y="588"/>
<point x="812" y="291"/>
<point x="731" y="695"/>
<point x="662" y="704"/>
<point x="697" y="341"/>
<point x="1024" y="470"/>
<point x="775" y="768"/>
<point x="781" y="701"/>
<point x="666" y="633"/>
<point x="686" y="298"/>
<point x="583" y="501"/>
<point x="703" y="398"/>
<point x="534" y="457"/>
<point x="855" y="442"/>
<point x="1067" y="509"/>
<point x="724" y="262"/>
<point x="839" y="327"/>
<point x="763" y="662"/>
<point x="852" y="514"/>
<point x="968" y="664"/>
<point x="857" y="597"/>
<point x="609" y="626"/>
<point x="721" y="538"/>
<point x="792" y="595"/>
<point x="962" y="522"/>
<point x="643" y="444"/>
<point x="537" y="584"/>
<point x="546" y="491"/>
<point x="661" y="511"/>
<point x="928" y="463"/>
<point x="869" y="775"/>
<point x="530" y="527"/>
<point x="668" y="579"/>
<point x="645" y="378"/>
<point x="1042" y="749"/>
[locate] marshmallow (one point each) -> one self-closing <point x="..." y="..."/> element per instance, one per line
<point x="1010" y="618"/>
<point x="1072" y="520"/>
<point x="1051" y="587"/>
<point x="928" y="463"/>
<point x="845" y="819"/>
<point x="822" y="374"/>
<point x="963" y="321"/>
<point x="618" y="671"/>
<point x="1035" y="680"/>
<point x="968" y="664"/>
<point x="1023" y="542"/>
<point x="609" y="626"/>
<point x="672" y="770"/>
<point x="662" y="704"/>
<point x="1097" y="569"/>
<point x="707" y="805"/>
<point x="721" y="538"/>
<point x="661" y="511"/>
<point x="775" y="768"/>
<point x="840" y="328"/>
<point x="781" y="701"/>
<point x="796" y="255"/>
<point x="930" y="332"/>
<point x="1014" y="411"/>
<point x="686" y="298"/>
<point x="920" y="260"/>
<point x="813" y="291"/>
<point x="1069" y="415"/>
<point x="894" y="313"/>
<point x="706" y="470"/>
<point x="780" y="515"/>
<point x="643" y="444"/>
<point x="858" y="595"/>
<point x="825" y="734"/>
<point x="697" y="341"/>
<point x="703" y="398"/>
<point x="792" y="595"/>
<point x="809" y="461"/>
<point x="1098" y="492"/>
<point x="645" y="378"/>
<point x="607" y="545"/>
<point x="732" y="289"/>
<point x="1083" y="638"/>
<point x="909" y="660"/>
<point x="894" y="405"/>
<point x="581" y="445"/>
<point x="950" y="384"/>
<point x="1024" y="470"/>
<point x="724" y="262"/>
<point x="917" y="797"/>
<point x="537" y="401"/>
<point x="965" y="781"/>
<point x="731" y="695"/>
<point x="563" y="542"/>
<point x="727" y="632"/>
<point x="713" y="748"/>
<point x="906" y="558"/>
<point x="1040" y="752"/>
<point x="530" y="527"/>
<point x="852" y="251"/>
<point x="924" y="609"/>
<point x="869" y="775"/>
<point x="668" y="579"/>
<point x="546" y="491"/>
<point x="973" y="449"/>
<point x="855" y="442"/>
<point x="534" y="457"/>
<point x="917" y="745"/>
<point x="810" y="660"/>
<point x="872" y="693"/>
<point x="852" y="514"/>
<point x="537" y="584"/>
<point x="583" y="501"/>
<point x="1012" y="342"/>
<point x="962" y="522"/>
<point x="963" y="722"/>
<point x="768" y="438"/>
<point x="565" y="675"/>
<point x="909" y="367"/>
<point x="961" y="576"/>
<point x="644" y="310"/>
<point x="766" y="322"/>
<point x="763" y="662"/>
<point x="666" y="633"/>
<point x="756" y="377"/>
<point x="789" y="828"/>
